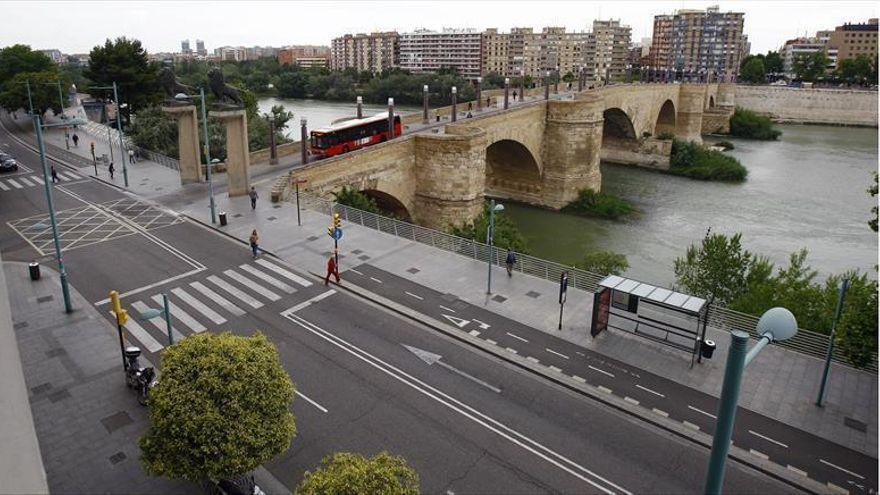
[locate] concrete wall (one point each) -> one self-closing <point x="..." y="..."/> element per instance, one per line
<point x="810" y="106"/>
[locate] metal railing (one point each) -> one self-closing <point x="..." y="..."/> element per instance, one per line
<point x="806" y="341"/>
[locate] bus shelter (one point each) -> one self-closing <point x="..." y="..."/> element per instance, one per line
<point x="670" y="318"/>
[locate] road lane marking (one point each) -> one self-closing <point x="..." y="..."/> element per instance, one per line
<point x="374" y="279"/>
<point x="38" y="180"/>
<point x="217" y="298"/>
<point x="356" y="271"/>
<point x="646" y="389"/>
<point x="796" y="470"/>
<point x="604" y="389"/>
<point x="284" y="272"/>
<point x="838" y="489"/>
<point x="847" y="471"/>
<point x="491" y="342"/>
<point x="578" y="379"/>
<point x="158" y="322"/>
<point x="25" y="181"/>
<point x="511" y="350"/>
<point x="474" y="333"/>
<point x="198" y="305"/>
<point x="310" y="401"/>
<point x="235" y="292"/>
<point x="554" y="368"/>
<point x="15" y="184"/>
<point x="250" y="284"/>
<point x="600" y="370"/>
<point x="4" y="186"/>
<point x="184" y="317"/>
<point x="530" y="358"/>
<point x="517" y="337"/>
<point x="691" y="425"/>
<point x="143" y="337"/>
<point x="268" y="278"/>
<point x="315" y="299"/>
<point x="431" y="358"/>
<point x="69" y="175"/>
<point x="631" y="400"/>
<point x="768" y="439"/>
<point x="660" y="412"/>
<point x="551" y="351"/>
<point x="447" y="309"/>
<point x="759" y="454"/>
<point x="420" y="298"/>
<point x="692" y="408"/>
<point x="579" y="353"/>
<point x="467" y="411"/>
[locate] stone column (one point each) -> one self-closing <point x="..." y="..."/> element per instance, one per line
<point x="450" y="172"/>
<point x="572" y="140"/>
<point x="237" y="152"/>
<point x="187" y="141"/>
<point x="725" y="96"/>
<point x="689" y="118"/>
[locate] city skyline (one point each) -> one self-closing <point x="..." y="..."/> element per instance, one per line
<point x="767" y="24"/>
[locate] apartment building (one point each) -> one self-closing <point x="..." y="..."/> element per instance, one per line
<point x="661" y="41"/>
<point x="372" y="52"/>
<point x="428" y="51"/>
<point x="852" y="40"/>
<point x="304" y="56"/>
<point x="496" y="52"/>
<point x="708" y="40"/>
<point x="607" y="57"/>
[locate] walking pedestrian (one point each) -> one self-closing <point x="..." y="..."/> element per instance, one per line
<point x="514" y="96"/>
<point x="255" y="243"/>
<point x="470" y="106"/>
<point x="111" y="169"/>
<point x="332" y="269"/>
<point x="511" y="259"/>
<point x="54" y="174"/>
<point x="488" y="101"/>
<point x="131" y="157"/>
<point x="75" y="140"/>
<point x="253" y="195"/>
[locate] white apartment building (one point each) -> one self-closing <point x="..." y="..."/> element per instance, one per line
<point x="428" y="51"/>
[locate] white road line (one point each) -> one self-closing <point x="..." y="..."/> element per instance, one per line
<point x="38" y="180"/>
<point x="4" y="186"/>
<point x="631" y="400"/>
<point x="491" y="424"/>
<point x="447" y="309"/>
<point x="660" y="412"/>
<point x="235" y="292"/>
<point x="534" y="360"/>
<point x="600" y="370"/>
<point x="837" y="489"/>
<point x="847" y="471"/>
<point x="646" y="389"/>
<point x="310" y="401"/>
<point x="759" y="454"/>
<point x="285" y="273"/>
<point x="15" y="184"/>
<point x="144" y="338"/>
<point x="579" y="353"/>
<point x="217" y="298"/>
<point x="604" y="389"/>
<point x="796" y="470"/>
<point x="777" y="442"/>
<point x="692" y="408"/>
<point x="250" y="284"/>
<point x="268" y="278"/>
<point x="691" y="425"/>
<point x="554" y="368"/>
<point x="491" y="342"/>
<point x="158" y="322"/>
<point x="356" y="271"/>
<point x="25" y="181"/>
<point x="474" y="333"/>
<point x="374" y="279"/>
<point x="578" y="379"/>
<point x="72" y="175"/>
<point x="551" y="351"/>
<point x="181" y="315"/>
<point x="514" y="351"/>
<point x="303" y="304"/>
<point x="517" y="337"/>
<point x="198" y="306"/>
<point x="420" y="298"/>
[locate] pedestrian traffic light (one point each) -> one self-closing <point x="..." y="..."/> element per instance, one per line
<point x="121" y="314"/>
<point x="337" y="222"/>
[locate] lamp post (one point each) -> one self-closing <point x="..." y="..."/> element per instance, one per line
<point x="303" y="139"/>
<point x="30" y="98"/>
<point x="506" y="93"/>
<point x="490" y="233"/>
<point x="206" y="148"/>
<point x="390" y="118"/>
<point x="556" y="80"/>
<point x="844" y="285"/>
<point x="547" y="85"/>
<point x="454" y="103"/>
<point x="479" y="95"/>
<point x="296" y="183"/>
<point x="775" y="324"/>
<point x="522" y="88"/>
<point x="119" y="128"/>
<point x="360" y="107"/>
<point x="151" y="313"/>
<point x="425" y="103"/>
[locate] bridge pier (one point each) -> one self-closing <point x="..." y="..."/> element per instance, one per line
<point x="689" y="118"/>
<point x="237" y="153"/>
<point x="187" y="141"/>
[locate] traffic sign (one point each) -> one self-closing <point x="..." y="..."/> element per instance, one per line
<point x="337" y="233"/>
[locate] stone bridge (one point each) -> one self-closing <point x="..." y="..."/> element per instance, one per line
<point x="540" y="152"/>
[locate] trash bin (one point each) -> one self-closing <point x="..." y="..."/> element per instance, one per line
<point x="34" y="269"/>
<point x="707" y="348"/>
<point x="223" y="219"/>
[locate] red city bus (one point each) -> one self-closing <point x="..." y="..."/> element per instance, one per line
<point x="350" y="135"/>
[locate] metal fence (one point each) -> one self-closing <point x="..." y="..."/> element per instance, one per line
<point x="806" y="341"/>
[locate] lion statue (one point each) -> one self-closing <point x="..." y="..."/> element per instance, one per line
<point x="171" y="85"/>
<point x="224" y="93"/>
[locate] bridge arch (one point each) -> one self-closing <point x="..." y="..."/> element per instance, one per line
<point x="665" y="119"/>
<point x="617" y="125"/>
<point x="512" y="170"/>
<point x="388" y="204"/>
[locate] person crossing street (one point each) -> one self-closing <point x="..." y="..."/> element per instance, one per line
<point x="255" y="243"/>
<point x="332" y="269"/>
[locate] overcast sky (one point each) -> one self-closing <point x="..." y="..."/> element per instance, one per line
<point x="77" y="26"/>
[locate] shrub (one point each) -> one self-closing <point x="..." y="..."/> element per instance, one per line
<point x="747" y="124"/>
<point x="506" y="234"/>
<point x="598" y="204"/>
<point x="604" y="263"/>
<point x="727" y="145"/>
<point x="350" y="196"/>
<point x="698" y="162"/>
<point x="345" y="473"/>
<point x="666" y="136"/>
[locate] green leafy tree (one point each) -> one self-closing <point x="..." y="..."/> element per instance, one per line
<point x="604" y="263"/>
<point x="154" y="130"/>
<point x="345" y="473"/>
<point x="125" y="62"/>
<point x="19" y="59"/>
<point x="292" y="84"/>
<point x="493" y="80"/>
<point x="773" y="63"/>
<point x="754" y="71"/>
<point x="281" y="116"/>
<point x="857" y="70"/>
<point x="810" y="66"/>
<point x="350" y="196"/>
<point x="747" y="124"/>
<point x="873" y="192"/>
<point x="857" y="328"/>
<point x="220" y="409"/>
<point x="718" y="267"/>
<point x="505" y="235"/>
<point x="43" y="87"/>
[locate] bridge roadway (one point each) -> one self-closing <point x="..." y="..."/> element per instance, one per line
<point x="473" y="424"/>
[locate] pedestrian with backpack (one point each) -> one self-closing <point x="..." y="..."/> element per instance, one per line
<point x="511" y="259"/>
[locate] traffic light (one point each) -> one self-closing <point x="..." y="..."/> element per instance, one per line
<point x="121" y="314"/>
<point x="335" y="224"/>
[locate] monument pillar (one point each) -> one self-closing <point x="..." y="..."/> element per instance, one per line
<point x="187" y="141"/>
<point x="689" y="118"/>
<point x="237" y="151"/>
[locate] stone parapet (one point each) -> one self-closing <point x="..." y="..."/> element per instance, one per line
<point x="810" y="106"/>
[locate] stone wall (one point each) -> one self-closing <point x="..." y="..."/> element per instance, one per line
<point x="810" y="106"/>
<point x="648" y="152"/>
<point x="716" y="121"/>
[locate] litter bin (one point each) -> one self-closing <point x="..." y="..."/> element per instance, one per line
<point x="707" y="348"/>
<point x="34" y="270"/>
<point x="223" y="219"/>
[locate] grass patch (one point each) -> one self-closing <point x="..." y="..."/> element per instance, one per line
<point x="590" y="203"/>
<point x="698" y="162"/>
<point x="747" y="124"/>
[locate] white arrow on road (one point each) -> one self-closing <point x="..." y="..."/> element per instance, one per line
<point x="431" y="358"/>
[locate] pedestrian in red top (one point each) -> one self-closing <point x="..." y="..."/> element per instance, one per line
<point x="332" y="269"/>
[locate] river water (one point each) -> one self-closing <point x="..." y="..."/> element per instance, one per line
<point x="320" y="113"/>
<point x="805" y="190"/>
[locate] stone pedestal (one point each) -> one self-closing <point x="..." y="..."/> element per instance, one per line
<point x="237" y="152"/>
<point x="187" y="141"/>
<point x="689" y="118"/>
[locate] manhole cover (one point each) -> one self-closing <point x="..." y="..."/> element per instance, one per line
<point x="413" y="270"/>
<point x="855" y="424"/>
<point x="117" y="458"/>
<point x="116" y="421"/>
<point x="533" y="294"/>
<point x="59" y="395"/>
<point x="363" y="257"/>
<point x="357" y="251"/>
<point x="43" y="299"/>
<point x="499" y="298"/>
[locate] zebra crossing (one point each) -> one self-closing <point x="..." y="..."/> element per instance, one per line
<point x="23" y="181"/>
<point x="208" y="303"/>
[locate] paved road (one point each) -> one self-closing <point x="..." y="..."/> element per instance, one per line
<point x="366" y="380"/>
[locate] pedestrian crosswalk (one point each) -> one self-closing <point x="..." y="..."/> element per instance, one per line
<point x="23" y="181"/>
<point x="208" y="303"/>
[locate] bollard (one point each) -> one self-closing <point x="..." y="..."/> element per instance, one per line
<point x="34" y="270"/>
<point x="223" y="219"/>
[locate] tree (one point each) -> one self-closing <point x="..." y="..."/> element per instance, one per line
<point x="604" y="263"/>
<point x="280" y="116"/>
<point x="753" y="71"/>
<point x="718" y="267"/>
<point x="873" y="192"/>
<point x="43" y="88"/>
<point x="346" y="473"/>
<point x="220" y="409"/>
<point x="506" y="234"/>
<point x="773" y="63"/>
<point x="350" y="196"/>
<point x="857" y="328"/>
<point x="856" y="70"/>
<point x="154" y="130"/>
<point x="124" y="62"/>
<point x="809" y="66"/>
<point x="18" y="59"/>
<point x="493" y="80"/>
<point x="292" y="84"/>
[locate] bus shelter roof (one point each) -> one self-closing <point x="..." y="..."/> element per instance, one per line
<point x="666" y="297"/>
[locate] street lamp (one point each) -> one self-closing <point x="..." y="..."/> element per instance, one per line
<point x="775" y="324"/>
<point x="150" y="313"/>
<point x="490" y="233"/>
<point x="119" y="128"/>
<point x="206" y="148"/>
